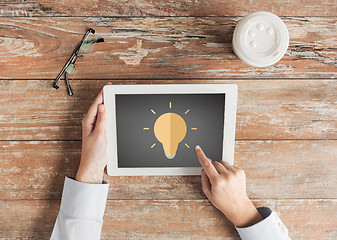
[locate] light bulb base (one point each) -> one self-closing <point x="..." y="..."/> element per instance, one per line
<point x="170" y="157"/>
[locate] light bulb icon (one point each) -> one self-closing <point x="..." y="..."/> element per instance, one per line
<point x="170" y="129"/>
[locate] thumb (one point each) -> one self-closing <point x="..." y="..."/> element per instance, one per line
<point x="206" y="184"/>
<point x="101" y="118"/>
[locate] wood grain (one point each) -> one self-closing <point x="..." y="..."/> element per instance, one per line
<point x="36" y="170"/>
<point x="31" y="8"/>
<point x="286" y="123"/>
<point x="154" y="48"/>
<point x="173" y="219"/>
<point x="267" y="109"/>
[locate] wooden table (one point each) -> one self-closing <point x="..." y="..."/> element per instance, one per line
<point x="286" y="137"/>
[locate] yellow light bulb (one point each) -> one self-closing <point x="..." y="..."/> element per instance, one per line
<point x="170" y="129"/>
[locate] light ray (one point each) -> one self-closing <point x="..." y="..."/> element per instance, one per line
<point x="146" y="128"/>
<point x="153" y="111"/>
<point x="170" y="105"/>
<point x="187" y="145"/>
<point x="153" y="145"/>
<point x="187" y="111"/>
<point x="194" y="128"/>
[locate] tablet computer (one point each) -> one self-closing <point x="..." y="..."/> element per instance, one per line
<point x="153" y="129"/>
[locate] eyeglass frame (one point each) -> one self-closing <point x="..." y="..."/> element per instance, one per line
<point x="72" y="60"/>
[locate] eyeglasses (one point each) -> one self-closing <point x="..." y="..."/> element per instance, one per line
<point x="69" y="68"/>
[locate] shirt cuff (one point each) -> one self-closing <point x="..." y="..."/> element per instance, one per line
<point x="271" y="227"/>
<point x="84" y="200"/>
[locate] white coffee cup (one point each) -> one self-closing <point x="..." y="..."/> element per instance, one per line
<point x="260" y="39"/>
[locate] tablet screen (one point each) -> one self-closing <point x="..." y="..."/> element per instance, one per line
<point x="161" y="130"/>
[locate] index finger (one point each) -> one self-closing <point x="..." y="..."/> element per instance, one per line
<point x="206" y="164"/>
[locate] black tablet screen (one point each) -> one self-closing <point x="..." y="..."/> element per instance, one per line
<point x="161" y="130"/>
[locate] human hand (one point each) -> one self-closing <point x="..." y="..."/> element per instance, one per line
<point x="225" y="187"/>
<point x="94" y="143"/>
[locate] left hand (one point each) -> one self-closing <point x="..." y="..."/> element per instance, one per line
<point x="94" y="143"/>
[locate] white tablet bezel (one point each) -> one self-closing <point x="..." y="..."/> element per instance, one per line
<point x="109" y="93"/>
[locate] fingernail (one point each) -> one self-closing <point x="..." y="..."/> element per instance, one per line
<point x="197" y="147"/>
<point x="101" y="108"/>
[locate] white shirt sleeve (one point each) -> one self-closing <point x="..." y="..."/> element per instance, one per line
<point x="81" y="212"/>
<point x="271" y="227"/>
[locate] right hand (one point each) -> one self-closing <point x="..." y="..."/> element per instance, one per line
<point x="225" y="186"/>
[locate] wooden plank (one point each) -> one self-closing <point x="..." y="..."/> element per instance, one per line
<point x="31" y="8"/>
<point x="200" y="220"/>
<point x="274" y="169"/>
<point x="174" y="219"/>
<point x="152" y="48"/>
<point x="267" y="109"/>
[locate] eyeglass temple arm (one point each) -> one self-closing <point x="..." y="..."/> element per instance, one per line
<point x="73" y="57"/>
<point x="63" y="70"/>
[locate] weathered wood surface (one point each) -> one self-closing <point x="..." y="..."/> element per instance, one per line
<point x="274" y="169"/>
<point x="267" y="109"/>
<point x="174" y="219"/>
<point x="286" y="123"/>
<point x="154" y="48"/>
<point x="14" y="8"/>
